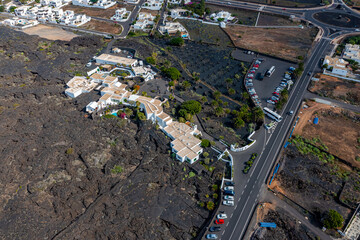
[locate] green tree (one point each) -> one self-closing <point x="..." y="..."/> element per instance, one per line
<point x="2" y="8"/>
<point x="258" y="114"/>
<point x="214" y="103"/>
<point x="228" y="81"/>
<point x="215" y="195"/>
<point x="191" y="106"/>
<point x="150" y="60"/>
<point x="238" y="122"/>
<point x="205" y="143"/>
<point x="186" y="85"/>
<point x="237" y="76"/>
<point x="216" y="94"/>
<point x="12" y="9"/>
<point x="210" y="205"/>
<point x="203" y="99"/>
<point x="245" y="95"/>
<point x="117" y="169"/>
<point x="231" y="91"/>
<point x="205" y="154"/>
<point x="171" y="84"/>
<point x="141" y="116"/>
<point x="219" y="111"/>
<point x="177" y="41"/>
<point x="172" y="73"/>
<point x="333" y="219"/>
<point x="128" y="112"/>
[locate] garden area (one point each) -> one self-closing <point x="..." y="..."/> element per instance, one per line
<point x="204" y="73"/>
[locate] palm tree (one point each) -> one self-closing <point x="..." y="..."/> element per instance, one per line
<point x="228" y="81"/>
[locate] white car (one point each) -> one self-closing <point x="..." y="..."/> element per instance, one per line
<point x="228" y="203"/>
<point x="229" y="188"/>
<point x="221" y="216"/>
<point x="227" y="197"/>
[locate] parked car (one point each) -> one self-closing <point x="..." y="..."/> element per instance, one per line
<point x="231" y="193"/>
<point x="229" y="188"/>
<point x="228" y="203"/>
<point x="249" y="84"/>
<point x="228" y="197"/>
<point x="229" y="183"/>
<point x="276" y="93"/>
<point x="252" y="71"/>
<point x="274" y="98"/>
<point x="219" y="221"/>
<point x="215" y="229"/>
<point x="256" y="65"/>
<point x="250" y="75"/>
<point x="88" y="64"/>
<point x="211" y="236"/>
<point x="270" y="101"/>
<point x="291" y="68"/>
<point x="221" y="216"/>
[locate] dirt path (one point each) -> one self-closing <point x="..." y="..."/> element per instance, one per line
<point x="51" y="33"/>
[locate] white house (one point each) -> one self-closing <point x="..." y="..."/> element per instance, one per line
<point x="143" y="21"/>
<point x="21" y="11"/>
<point x="132" y="1"/>
<point x="338" y="65"/>
<point x="43" y="13"/>
<point x="75" y="20"/>
<point x="178" y="13"/>
<point x="221" y="16"/>
<point x="121" y="15"/>
<point x="172" y="28"/>
<point x="104" y="4"/>
<point x="91" y="107"/>
<point x="79" y="85"/>
<point x="352" y="52"/>
<point x="153" y="5"/>
<point x="55" y="3"/>
<point x="176" y="2"/>
<point x="116" y="60"/>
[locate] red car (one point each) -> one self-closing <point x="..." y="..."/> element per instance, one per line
<point x="256" y="65"/>
<point x="275" y="93"/>
<point x="219" y="221"/>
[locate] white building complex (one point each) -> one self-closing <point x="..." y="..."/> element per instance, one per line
<point x="185" y="144"/>
<point x="222" y="16"/>
<point x="153" y="4"/>
<point x="144" y="21"/>
<point x="104" y="4"/>
<point x="121" y="15"/>
<point x="172" y="28"/>
<point x="352" y="52"/>
<point x="338" y="65"/>
<point x="19" y="23"/>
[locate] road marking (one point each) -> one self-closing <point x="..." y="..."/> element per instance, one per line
<point x="231" y="214"/>
<point x="247" y="219"/>
<point x="227" y="224"/>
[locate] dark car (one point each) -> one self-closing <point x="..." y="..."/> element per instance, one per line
<point x="229" y="183"/>
<point x="229" y="192"/>
<point x="215" y="229"/>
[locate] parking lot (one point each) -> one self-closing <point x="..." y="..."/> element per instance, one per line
<point x="264" y="88"/>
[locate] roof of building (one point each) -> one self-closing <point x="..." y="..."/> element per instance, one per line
<point x="116" y="59"/>
<point x="105" y="97"/>
<point x="336" y="62"/>
<point x="82" y="83"/>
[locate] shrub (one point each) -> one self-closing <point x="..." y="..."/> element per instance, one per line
<point x="201" y="204"/>
<point x="333" y="219"/>
<point x="150" y="60"/>
<point x="141" y="116"/>
<point x="172" y="73"/>
<point x="215" y="195"/>
<point x="205" y="143"/>
<point x="206" y="154"/>
<point x="70" y="151"/>
<point x="117" y="169"/>
<point x="191" y="106"/>
<point x="2" y="8"/>
<point x="210" y="205"/>
<point x="214" y="187"/>
<point x="177" y="41"/>
<point x="191" y="174"/>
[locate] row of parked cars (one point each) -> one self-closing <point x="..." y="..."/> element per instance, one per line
<point x="287" y="80"/>
<point x="249" y="81"/>
<point x="220" y="218"/>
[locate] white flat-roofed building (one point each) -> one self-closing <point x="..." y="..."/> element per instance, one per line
<point x="116" y="60"/>
<point x="78" y="85"/>
<point x="121" y="15"/>
<point x="152" y="5"/>
<point x="178" y="13"/>
<point x="103" y="4"/>
<point x="19" y="23"/>
<point x="172" y="28"/>
<point x="352" y="52"/>
<point x="221" y="16"/>
<point x="104" y="78"/>
<point x="144" y="21"/>
<point x="338" y="65"/>
<point x="92" y="107"/>
<point x="21" y="11"/>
